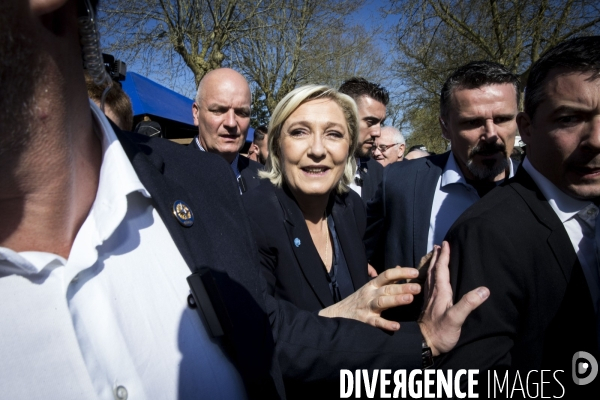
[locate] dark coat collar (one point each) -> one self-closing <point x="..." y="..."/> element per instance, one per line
<point x="526" y="188"/>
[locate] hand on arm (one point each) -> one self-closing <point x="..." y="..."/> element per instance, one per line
<point x="441" y="320"/>
<point x="381" y="293"/>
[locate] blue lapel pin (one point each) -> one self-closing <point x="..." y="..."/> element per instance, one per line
<point x="297" y="242"/>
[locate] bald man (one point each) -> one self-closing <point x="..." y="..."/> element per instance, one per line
<point x="389" y="147"/>
<point x="222" y="114"/>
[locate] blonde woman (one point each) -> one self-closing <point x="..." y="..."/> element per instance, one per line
<point x="307" y="224"/>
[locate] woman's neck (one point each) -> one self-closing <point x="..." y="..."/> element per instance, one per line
<point x="312" y="207"/>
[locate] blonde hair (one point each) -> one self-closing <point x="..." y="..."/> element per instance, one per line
<point x="287" y="106"/>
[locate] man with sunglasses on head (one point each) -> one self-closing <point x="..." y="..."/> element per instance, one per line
<point x="418" y="201"/>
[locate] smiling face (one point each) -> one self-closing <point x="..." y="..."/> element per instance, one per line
<point x="222" y="112"/>
<point x="314" y="146"/>
<point x="563" y="138"/>
<point x="371" y="114"/>
<point x="387" y="149"/>
<point x="481" y="126"/>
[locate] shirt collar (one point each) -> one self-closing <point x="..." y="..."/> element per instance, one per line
<point x="565" y="206"/>
<point x="117" y="179"/>
<point x="453" y="174"/>
<point x="234" y="164"/>
<point x="197" y="140"/>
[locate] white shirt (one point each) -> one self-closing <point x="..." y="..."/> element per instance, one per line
<point x="353" y="185"/>
<point x="579" y="219"/>
<point x="111" y="321"/>
<point x="453" y="195"/>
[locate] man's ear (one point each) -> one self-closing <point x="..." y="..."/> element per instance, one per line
<point x="525" y="128"/>
<point x="445" y="132"/>
<point x="42" y="7"/>
<point x="401" y="148"/>
<point x="195" y="110"/>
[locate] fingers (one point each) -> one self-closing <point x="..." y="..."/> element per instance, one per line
<point x="395" y="274"/>
<point x="384" y="302"/>
<point x="383" y="323"/>
<point x="470" y="301"/>
<point x="442" y="272"/>
<point x="394" y="295"/>
<point x="371" y="271"/>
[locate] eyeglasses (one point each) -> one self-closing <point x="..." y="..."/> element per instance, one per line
<point x="383" y="147"/>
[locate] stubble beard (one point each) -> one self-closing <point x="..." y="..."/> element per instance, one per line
<point x="490" y="168"/>
<point x="20" y="70"/>
<point x="362" y="153"/>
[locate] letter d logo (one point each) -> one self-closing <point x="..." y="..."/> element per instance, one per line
<point x="580" y="367"/>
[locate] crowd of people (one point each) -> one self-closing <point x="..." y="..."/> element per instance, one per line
<point x="135" y="267"/>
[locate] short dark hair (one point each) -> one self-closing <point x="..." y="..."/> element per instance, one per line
<point x="260" y="133"/>
<point x="581" y="54"/>
<point x="475" y="75"/>
<point x="358" y="87"/>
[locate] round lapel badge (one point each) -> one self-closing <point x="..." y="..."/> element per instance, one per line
<point x="297" y="242"/>
<point x="183" y="213"/>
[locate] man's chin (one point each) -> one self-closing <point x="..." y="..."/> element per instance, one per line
<point x="363" y="152"/>
<point x="487" y="170"/>
<point x="589" y="191"/>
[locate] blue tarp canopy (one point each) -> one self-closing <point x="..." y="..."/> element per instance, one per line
<point x="148" y="97"/>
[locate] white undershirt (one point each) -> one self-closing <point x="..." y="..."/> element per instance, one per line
<point x="579" y="219"/>
<point x="112" y="320"/>
<point x="353" y="185"/>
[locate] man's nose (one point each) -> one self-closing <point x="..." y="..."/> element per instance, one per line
<point x="376" y="131"/>
<point x="490" y="131"/>
<point x="594" y="133"/>
<point x="230" y="120"/>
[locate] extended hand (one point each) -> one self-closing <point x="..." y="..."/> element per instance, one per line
<point x="441" y="321"/>
<point x="381" y="293"/>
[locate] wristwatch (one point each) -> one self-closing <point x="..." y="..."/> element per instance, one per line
<point x="426" y="355"/>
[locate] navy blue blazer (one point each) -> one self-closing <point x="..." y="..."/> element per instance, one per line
<point x="249" y="171"/>
<point x="296" y="273"/>
<point x="371" y="179"/>
<point x="540" y="311"/>
<point x="269" y="336"/>
<point x="247" y="167"/>
<point x="205" y="182"/>
<point x="399" y="214"/>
